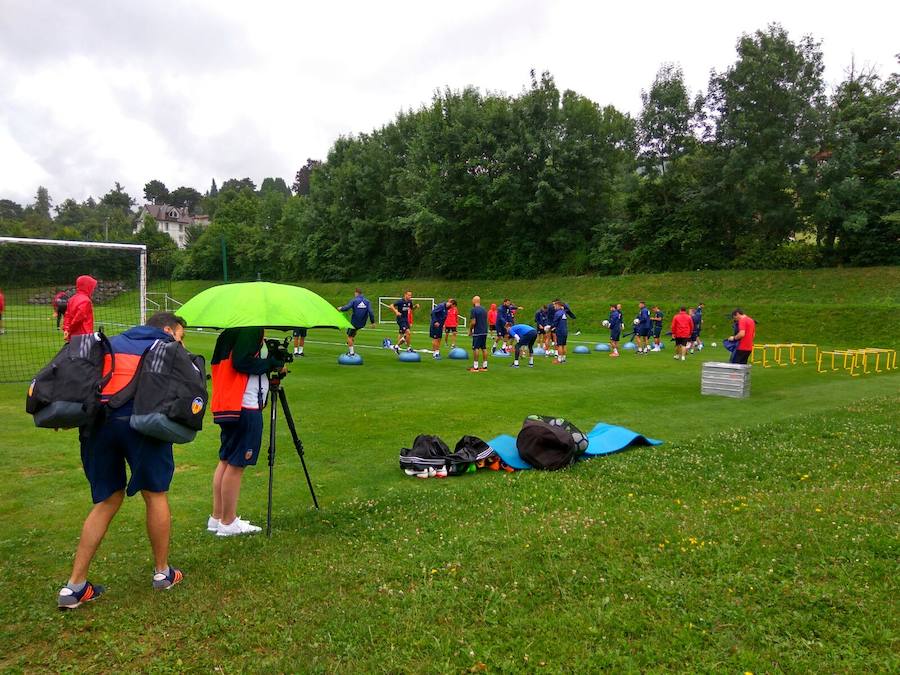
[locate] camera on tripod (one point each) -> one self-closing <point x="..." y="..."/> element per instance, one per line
<point x="278" y="350"/>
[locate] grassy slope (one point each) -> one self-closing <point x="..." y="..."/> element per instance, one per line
<point x="762" y="536"/>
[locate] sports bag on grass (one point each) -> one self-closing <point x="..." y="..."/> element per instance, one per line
<point x="550" y="443"/>
<point x="66" y="392"/>
<point x="169" y="391"/>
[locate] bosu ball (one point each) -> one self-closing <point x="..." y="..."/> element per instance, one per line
<point x="539" y="351"/>
<point x="581" y="349"/>
<point x="350" y="360"/>
<point x="459" y="354"/>
<point x="601" y="347"/>
<point x="411" y="357"/>
<point x="628" y="345"/>
<point x="500" y="353"/>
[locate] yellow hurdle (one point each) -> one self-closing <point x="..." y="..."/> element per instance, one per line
<point x="854" y="360"/>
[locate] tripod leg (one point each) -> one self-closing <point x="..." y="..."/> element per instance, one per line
<point x="298" y="444"/>
<point x="273" y="415"/>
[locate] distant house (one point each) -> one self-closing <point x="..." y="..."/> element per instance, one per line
<point x="173" y="220"/>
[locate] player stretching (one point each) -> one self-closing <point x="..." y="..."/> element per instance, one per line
<point x="436" y="328"/>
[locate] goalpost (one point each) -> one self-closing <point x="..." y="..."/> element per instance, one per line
<point x="33" y="274"/>
<point x="385" y="315"/>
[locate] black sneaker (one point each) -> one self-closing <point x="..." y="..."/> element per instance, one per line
<point x="69" y="599"/>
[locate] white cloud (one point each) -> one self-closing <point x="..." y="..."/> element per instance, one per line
<point x="92" y="92"/>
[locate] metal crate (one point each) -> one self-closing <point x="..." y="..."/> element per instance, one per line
<point x="725" y="379"/>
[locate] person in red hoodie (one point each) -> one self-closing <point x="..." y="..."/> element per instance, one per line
<point x="682" y="327"/>
<point x="79" y="318"/>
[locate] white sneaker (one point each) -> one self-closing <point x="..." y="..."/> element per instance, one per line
<point x="237" y="527"/>
<point x="212" y="524"/>
<point x="676" y="357"/>
<point x="682" y="358"/>
<point x="441" y="472"/>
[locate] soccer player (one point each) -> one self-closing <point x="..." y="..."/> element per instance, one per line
<point x="478" y="330"/>
<point x="542" y="322"/>
<point x="60" y="303"/>
<point x="492" y="322"/>
<point x="504" y="316"/>
<point x="106" y="447"/>
<point x="560" y="327"/>
<point x="240" y="386"/>
<point x="682" y="325"/>
<point x="656" y="320"/>
<point x="615" y="328"/>
<point x="744" y="336"/>
<point x="362" y="311"/>
<point x="697" y="317"/>
<point x="403" y="308"/>
<point x="299" y="341"/>
<point x="451" y="326"/>
<point x="642" y="329"/>
<point x="436" y="328"/>
<point x="79" y="319"/>
<point x="524" y="337"/>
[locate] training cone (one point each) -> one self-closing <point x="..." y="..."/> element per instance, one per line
<point x="581" y="349"/>
<point x="539" y="351"/>
<point x="411" y="357"/>
<point x="601" y="347"/>
<point x="350" y="360"/>
<point x="459" y="354"/>
<point x="628" y="345"/>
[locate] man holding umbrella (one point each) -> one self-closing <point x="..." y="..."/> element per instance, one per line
<point x="240" y="386"/>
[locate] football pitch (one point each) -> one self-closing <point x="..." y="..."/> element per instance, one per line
<point x="762" y="535"/>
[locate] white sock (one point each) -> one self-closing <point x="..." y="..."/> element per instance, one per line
<point x="351" y="351"/>
<point x="484" y="365"/>
<point x="475" y="365"/>
<point x="530" y="360"/>
<point x="300" y="350"/>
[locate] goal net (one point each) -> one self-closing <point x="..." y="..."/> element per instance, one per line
<point x="36" y="273"/>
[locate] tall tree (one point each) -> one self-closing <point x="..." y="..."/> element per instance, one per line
<point x="766" y="111"/>
<point x="664" y="127"/>
<point x="213" y="190"/>
<point x="301" y="179"/>
<point x="156" y="192"/>
<point x="238" y="185"/>
<point x="117" y="198"/>
<point x="185" y="197"/>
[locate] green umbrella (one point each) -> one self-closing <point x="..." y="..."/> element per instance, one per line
<point x="260" y="303"/>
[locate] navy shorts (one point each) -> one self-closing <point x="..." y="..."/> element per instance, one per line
<point x="449" y="329"/>
<point x="403" y="326"/>
<point x="300" y="332"/>
<point x="657" y="332"/>
<point x="351" y="332"/>
<point x="615" y="336"/>
<point x="527" y="341"/>
<point x="501" y="330"/>
<point x="642" y="331"/>
<point x="681" y="342"/>
<point x="108" y="446"/>
<point x="479" y="342"/>
<point x="435" y="332"/>
<point x="561" y="339"/>
<point x="242" y="439"/>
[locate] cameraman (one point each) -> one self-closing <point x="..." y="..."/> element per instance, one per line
<point x="240" y="386"/>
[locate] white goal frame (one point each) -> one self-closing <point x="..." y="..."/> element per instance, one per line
<point x="137" y="248"/>
<point x="385" y="315"/>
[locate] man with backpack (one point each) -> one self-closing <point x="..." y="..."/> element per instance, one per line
<point x="108" y="443"/>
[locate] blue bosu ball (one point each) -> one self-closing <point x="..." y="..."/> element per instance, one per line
<point x="628" y="345"/>
<point x="601" y="347"/>
<point x="411" y="357"/>
<point x="350" y="360"/>
<point x="581" y="349"/>
<point x="539" y="351"/>
<point x="501" y="353"/>
<point x="458" y="353"/>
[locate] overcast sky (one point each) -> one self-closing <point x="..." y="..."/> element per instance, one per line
<point x="97" y="91"/>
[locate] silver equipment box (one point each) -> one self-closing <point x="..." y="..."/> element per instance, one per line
<point x="725" y="379"/>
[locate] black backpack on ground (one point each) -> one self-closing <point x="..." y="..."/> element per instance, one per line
<point x="550" y="443"/>
<point x="169" y="392"/>
<point x="431" y="452"/>
<point x="66" y="392"/>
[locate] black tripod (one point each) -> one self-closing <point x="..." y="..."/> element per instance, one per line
<point x="278" y="394"/>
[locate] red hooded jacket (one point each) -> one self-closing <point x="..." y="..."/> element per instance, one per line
<point x="682" y="325"/>
<point x="79" y="318"/>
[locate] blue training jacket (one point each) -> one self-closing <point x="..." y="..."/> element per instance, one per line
<point x="362" y="310"/>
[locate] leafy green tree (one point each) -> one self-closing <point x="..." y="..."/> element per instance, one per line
<point x="274" y="185"/>
<point x="858" y="209"/>
<point x="156" y="192"/>
<point x="664" y="128"/>
<point x="300" y="186"/>
<point x="766" y="112"/>
<point x="10" y="210"/>
<point x="237" y="185"/>
<point x="186" y="197"/>
<point x="117" y="198"/>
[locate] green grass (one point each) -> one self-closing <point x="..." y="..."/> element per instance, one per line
<point x="762" y="536"/>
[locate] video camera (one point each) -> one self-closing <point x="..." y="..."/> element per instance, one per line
<point x="278" y="349"/>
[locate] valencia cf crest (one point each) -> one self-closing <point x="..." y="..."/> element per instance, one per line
<point x="196" y="405"/>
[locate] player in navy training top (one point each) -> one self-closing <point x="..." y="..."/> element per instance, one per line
<point x="362" y="311"/>
<point x="478" y="330"/>
<point x="436" y="328"/>
<point x="402" y="308"/>
<point x="560" y="327"/>
<point x="697" y="317"/>
<point x="615" y="329"/>
<point x="656" y="320"/>
<point x="542" y="324"/>
<point x="524" y="337"/>
<point x="642" y="329"/>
